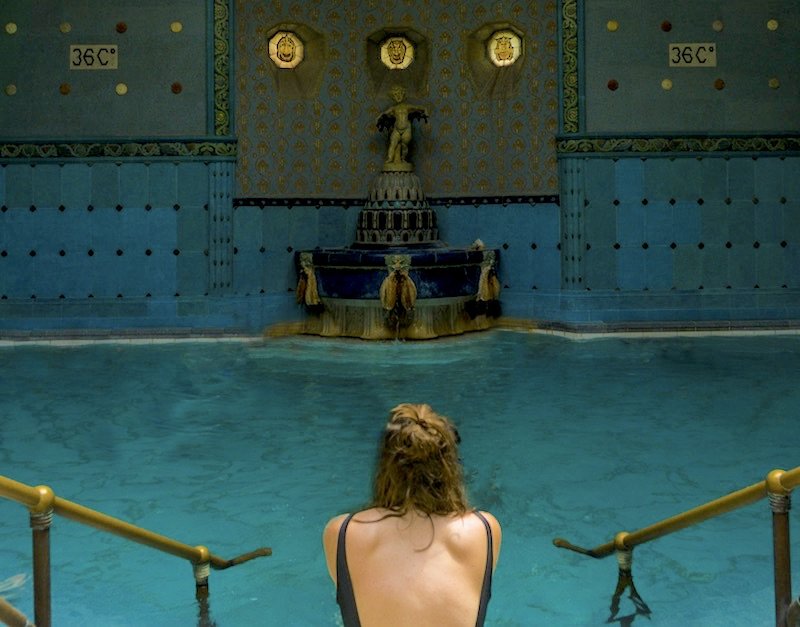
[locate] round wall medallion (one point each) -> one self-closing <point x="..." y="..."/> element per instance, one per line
<point x="397" y="53"/>
<point x="286" y="49"/>
<point x="504" y="47"/>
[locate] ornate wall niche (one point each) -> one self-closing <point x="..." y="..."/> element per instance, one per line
<point x="495" y="58"/>
<point x="296" y="59"/>
<point x="398" y="56"/>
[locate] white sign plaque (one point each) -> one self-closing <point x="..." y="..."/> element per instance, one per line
<point x="93" y="56"/>
<point x="693" y="55"/>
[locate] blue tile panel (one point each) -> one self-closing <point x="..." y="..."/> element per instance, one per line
<point x="691" y="223"/>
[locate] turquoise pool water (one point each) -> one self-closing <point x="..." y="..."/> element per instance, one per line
<point x="236" y="445"/>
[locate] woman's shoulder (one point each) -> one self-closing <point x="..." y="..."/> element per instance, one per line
<point x="367" y="515"/>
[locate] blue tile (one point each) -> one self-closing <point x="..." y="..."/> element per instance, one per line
<point x="192" y="230"/>
<point x="630" y="223"/>
<point x="715" y="268"/>
<point x="769" y="176"/>
<point x="76" y="185"/>
<point x="714" y="224"/>
<point x="791" y="178"/>
<point x="105" y="185"/>
<point x="741" y="222"/>
<point x="714" y="179"/>
<point x="192" y="181"/>
<point x="658" y="223"/>
<point x="687" y="268"/>
<point x="162" y="184"/>
<point x="768" y="222"/>
<point x="601" y="271"/>
<point x="303" y="227"/>
<point x="133" y="185"/>
<point x="629" y="179"/>
<point x="770" y="266"/>
<point x="741" y="178"/>
<point x="791" y="221"/>
<point x="599" y="181"/>
<point x="686" y="178"/>
<point x="247" y="231"/>
<point x="46" y="185"/>
<point x="686" y="217"/>
<point x="275" y="228"/>
<point x="631" y="269"/>
<point x="659" y="262"/>
<point x="741" y="267"/>
<point x="19" y="185"/>
<point x="332" y="229"/>
<point x="658" y="180"/>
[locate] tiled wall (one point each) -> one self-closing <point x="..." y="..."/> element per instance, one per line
<point x="161" y="54"/>
<point x="103" y="230"/>
<point x="112" y="240"/>
<point x="631" y="87"/>
<point x="705" y="223"/>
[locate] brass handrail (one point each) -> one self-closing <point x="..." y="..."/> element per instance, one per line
<point x="11" y="616"/>
<point x="777" y="481"/>
<point x="35" y="498"/>
<point x="43" y="503"/>
<point x="777" y="485"/>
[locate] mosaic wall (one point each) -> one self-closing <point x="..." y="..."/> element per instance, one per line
<point x="73" y="70"/>
<point x="312" y="133"/>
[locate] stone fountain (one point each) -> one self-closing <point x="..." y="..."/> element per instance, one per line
<point x="398" y="280"/>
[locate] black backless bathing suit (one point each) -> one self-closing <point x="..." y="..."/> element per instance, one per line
<point x="344" y="585"/>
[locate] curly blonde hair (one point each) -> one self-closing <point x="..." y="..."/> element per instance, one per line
<point x="418" y="465"/>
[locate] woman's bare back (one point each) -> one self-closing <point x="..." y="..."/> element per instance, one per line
<point x="415" y="569"/>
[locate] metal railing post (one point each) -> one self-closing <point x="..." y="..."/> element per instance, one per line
<point x="41" y="517"/>
<point x="780" y="503"/>
<point x="202" y="569"/>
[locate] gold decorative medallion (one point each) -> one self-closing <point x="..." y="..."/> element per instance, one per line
<point x="397" y="53"/>
<point x="286" y="49"/>
<point x="504" y="47"/>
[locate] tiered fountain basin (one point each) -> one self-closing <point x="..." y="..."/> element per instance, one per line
<point x="398" y="280"/>
<point x="448" y="299"/>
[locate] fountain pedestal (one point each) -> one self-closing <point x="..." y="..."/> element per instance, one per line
<point x="398" y="280"/>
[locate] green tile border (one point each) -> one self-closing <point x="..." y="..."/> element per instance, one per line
<point x="222" y="62"/>
<point x="609" y="146"/>
<point x="569" y="66"/>
<point x="200" y="149"/>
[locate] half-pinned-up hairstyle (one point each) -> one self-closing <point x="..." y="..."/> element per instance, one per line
<point x="418" y="466"/>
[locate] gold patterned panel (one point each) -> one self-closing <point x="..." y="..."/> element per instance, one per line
<point x="325" y="142"/>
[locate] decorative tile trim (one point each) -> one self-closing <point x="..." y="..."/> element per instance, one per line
<point x="222" y="126"/>
<point x="569" y="65"/>
<point x="83" y="150"/>
<point x="672" y="145"/>
<point x="359" y="202"/>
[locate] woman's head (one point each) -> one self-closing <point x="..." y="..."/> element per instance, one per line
<point x="418" y="465"/>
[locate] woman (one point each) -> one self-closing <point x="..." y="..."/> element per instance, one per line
<point x="418" y="555"/>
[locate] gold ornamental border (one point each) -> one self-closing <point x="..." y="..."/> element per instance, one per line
<point x="673" y="145"/>
<point x="83" y="150"/>
<point x="222" y="60"/>
<point x="569" y="61"/>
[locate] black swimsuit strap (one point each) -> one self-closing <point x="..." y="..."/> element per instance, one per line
<point x="345" y="595"/>
<point x="486" y="588"/>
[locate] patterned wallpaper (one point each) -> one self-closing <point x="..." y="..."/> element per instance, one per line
<point x="488" y="134"/>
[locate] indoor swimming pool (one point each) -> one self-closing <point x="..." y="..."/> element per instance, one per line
<point x="241" y="444"/>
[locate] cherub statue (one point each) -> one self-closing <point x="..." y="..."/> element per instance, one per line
<point x="398" y="118"/>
